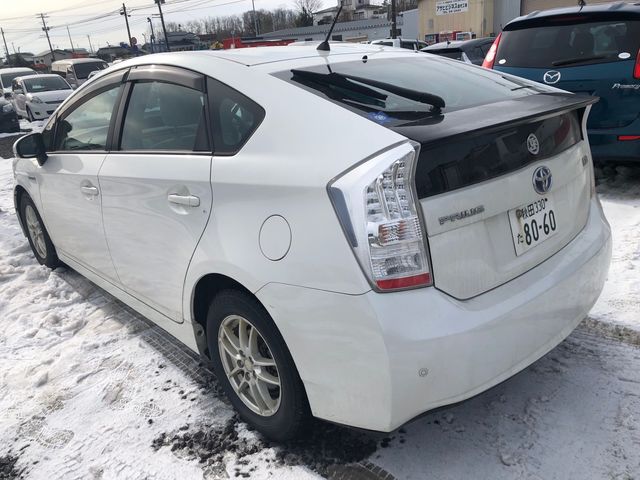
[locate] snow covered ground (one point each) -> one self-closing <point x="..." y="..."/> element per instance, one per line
<point x="619" y="303"/>
<point x="88" y="389"/>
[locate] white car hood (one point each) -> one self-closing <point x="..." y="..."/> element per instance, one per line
<point x="52" y="96"/>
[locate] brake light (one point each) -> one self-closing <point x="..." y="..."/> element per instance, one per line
<point x="627" y="138"/>
<point x="491" y="54"/>
<point x="636" y="68"/>
<point x="378" y="208"/>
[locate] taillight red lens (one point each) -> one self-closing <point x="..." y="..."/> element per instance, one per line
<point x="404" y="282"/>
<point x="636" y="69"/>
<point x="627" y="138"/>
<point x="491" y="54"/>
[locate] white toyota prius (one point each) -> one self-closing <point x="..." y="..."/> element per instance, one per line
<point x="360" y="235"/>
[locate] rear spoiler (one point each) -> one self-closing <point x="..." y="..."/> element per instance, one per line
<point x="494" y="116"/>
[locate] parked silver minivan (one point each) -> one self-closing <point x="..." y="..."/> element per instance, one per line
<point x="76" y="70"/>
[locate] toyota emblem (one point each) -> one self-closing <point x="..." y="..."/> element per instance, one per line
<point x="542" y="180"/>
<point x="551" y="77"/>
<point x="533" y="145"/>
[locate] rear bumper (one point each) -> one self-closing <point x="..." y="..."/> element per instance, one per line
<point x="375" y="361"/>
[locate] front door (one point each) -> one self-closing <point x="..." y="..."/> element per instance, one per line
<point x="156" y="190"/>
<point x="68" y="181"/>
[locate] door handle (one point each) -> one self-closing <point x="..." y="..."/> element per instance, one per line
<point x="93" y="191"/>
<point x="186" y="200"/>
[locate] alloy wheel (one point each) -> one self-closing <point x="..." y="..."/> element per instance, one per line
<point x="249" y="365"/>
<point x="36" y="231"/>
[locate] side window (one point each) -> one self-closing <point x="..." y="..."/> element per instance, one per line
<point x="86" y="126"/>
<point x="164" y="116"/>
<point x="235" y="118"/>
<point x="62" y="72"/>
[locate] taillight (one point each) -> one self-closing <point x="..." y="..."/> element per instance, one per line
<point x="491" y="54"/>
<point x="628" y="138"/>
<point x="378" y="208"/>
<point x="636" y="68"/>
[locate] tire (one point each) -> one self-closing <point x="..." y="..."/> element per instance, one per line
<point x="291" y="413"/>
<point x="37" y="234"/>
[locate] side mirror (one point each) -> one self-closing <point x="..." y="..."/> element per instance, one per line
<point x="31" y="146"/>
<point x="8" y="95"/>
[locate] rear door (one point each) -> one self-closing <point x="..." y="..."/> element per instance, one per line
<point x="593" y="54"/>
<point x="156" y="189"/>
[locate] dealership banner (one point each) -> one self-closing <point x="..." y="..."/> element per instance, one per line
<point x="447" y="7"/>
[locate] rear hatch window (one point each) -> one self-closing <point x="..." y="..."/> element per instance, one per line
<point x="396" y="91"/>
<point x="568" y="41"/>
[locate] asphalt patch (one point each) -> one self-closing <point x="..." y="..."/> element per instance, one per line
<point x="325" y="447"/>
<point x="8" y="468"/>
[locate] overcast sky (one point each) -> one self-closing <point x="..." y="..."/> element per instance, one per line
<point x="23" y="27"/>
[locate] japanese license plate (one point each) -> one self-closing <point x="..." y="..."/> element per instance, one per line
<point x="532" y="224"/>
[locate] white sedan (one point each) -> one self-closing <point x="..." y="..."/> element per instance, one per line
<point x="359" y="235"/>
<point x="35" y="97"/>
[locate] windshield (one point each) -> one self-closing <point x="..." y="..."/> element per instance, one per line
<point x="393" y="91"/>
<point x="45" y="84"/>
<point x="84" y="69"/>
<point x="7" y="78"/>
<point x="566" y="44"/>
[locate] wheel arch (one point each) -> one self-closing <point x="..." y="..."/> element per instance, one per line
<point x="18" y="192"/>
<point x="205" y="289"/>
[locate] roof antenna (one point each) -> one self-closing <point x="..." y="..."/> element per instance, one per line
<point x="324" y="46"/>
<point x="582" y="4"/>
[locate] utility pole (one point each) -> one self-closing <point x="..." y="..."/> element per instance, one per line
<point x="5" y="47"/>
<point x="394" y="28"/>
<point x="46" y="32"/>
<point x="90" y="46"/>
<point x="255" y="19"/>
<point x="70" y="41"/>
<point x="153" y="36"/>
<point x="164" y="29"/>
<point x="126" y="20"/>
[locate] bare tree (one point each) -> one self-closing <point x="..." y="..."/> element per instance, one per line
<point x="305" y="10"/>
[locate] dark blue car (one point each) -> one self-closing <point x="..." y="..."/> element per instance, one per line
<point x="593" y="50"/>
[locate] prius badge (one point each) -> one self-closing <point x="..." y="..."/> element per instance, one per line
<point x="551" y="77"/>
<point x="542" y="180"/>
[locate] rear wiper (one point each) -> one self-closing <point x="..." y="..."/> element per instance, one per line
<point x="346" y="81"/>
<point x="339" y="81"/>
<point x="569" y="61"/>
